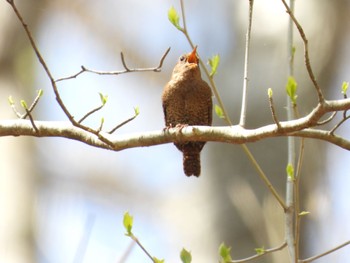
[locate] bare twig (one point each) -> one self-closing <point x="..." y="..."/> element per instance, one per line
<point x="330" y="118"/>
<point x="122" y="124"/>
<point x="91" y="112"/>
<point x="242" y="120"/>
<point x="306" y="52"/>
<point x="31" y="120"/>
<point x="308" y="260"/>
<point x="263" y="176"/>
<point x="339" y="124"/>
<point x="126" y="68"/>
<point x="266" y="251"/>
<point x="273" y="112"/>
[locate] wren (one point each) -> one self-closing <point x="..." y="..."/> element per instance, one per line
<point x="187" y="100"/>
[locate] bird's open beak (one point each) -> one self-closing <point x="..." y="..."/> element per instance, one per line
<point x="192" y="57"/>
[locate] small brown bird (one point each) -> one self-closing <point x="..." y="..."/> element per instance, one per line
<point x="187" y="101"/>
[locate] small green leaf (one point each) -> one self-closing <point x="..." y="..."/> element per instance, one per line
<point x="291" y="89"/>
<point x="24" y="104"/>
<point x="10" y="100"/>
<point x="40" y="92"/>
<point x="260" y="250"/>
<point x="269" y="92"/>
<point x="127" y="222"/>
<point x="185" y="256"/>
<point x="137" y="110"/>
<point x="103" y="98"/>
<point x="290" y="171"/>
<point x="344" y="87"/>
<point x="225" y="253"/>
<point x="219" y="112"/>
<point x="156" y="260"/>
<point x="102" y="121"/>
<point x="214" y="63"/>
<point x="174" y="18"/>
<point x="304" y="213"/>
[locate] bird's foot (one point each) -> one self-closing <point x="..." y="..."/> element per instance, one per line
<point x="180" y="126"/>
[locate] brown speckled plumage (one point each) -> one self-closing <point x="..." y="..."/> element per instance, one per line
<point x="187" y="101"/>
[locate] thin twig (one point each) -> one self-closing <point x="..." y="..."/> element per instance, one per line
<point x="122" y="124"/>
<point x="327" y="120"/>
<point x="91" y="112"/>
<point x="142" y="247"/>
<point x="31" y="120"/>
<point x="126" y="68"/>
<point x="310" y="259"/>
<point x="35" y="102"/>
<point x="266" y="251"/>
<point x="242" y="120"/>
<point x="273" y="112"/>
<point x="339" y="124"/>
<point x="264" y="177"/>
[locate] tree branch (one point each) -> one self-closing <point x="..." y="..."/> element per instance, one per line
<point x="228" y="134"/>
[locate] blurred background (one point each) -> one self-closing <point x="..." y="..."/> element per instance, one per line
<point x="63" y="201"/>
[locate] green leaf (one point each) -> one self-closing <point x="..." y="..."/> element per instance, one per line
<point x="102" y="121"/>
<point x="137" y="110"/>
<point x="290" y="171"/>
<point x="260" y="250"/>
<point x="344" y="87"/>
<point x="219" y="112"/>
<point x="225" y="253"/>
<point x="10" y="100"/>
<point x="103" y="98"/>
<point x="158" y="260"/>
<point x="269" y="92"/>
<point x="127" y="222"/>
<point x="214" y="63"/>
<point x="185" y="256"/>
<point x="24" y="104"/>
<point x="304" y="213"/>
<point x="174" y="18"/>
<point x="291" y="89"/>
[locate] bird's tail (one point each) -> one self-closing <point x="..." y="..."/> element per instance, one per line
<point x="191" y="161"/>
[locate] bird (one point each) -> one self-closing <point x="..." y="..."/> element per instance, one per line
<point x="187" y="100"/>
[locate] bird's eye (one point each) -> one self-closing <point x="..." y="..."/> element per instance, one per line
<point x="182" y="58"/>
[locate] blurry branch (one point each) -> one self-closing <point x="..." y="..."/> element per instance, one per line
<point x="126" y="68"/>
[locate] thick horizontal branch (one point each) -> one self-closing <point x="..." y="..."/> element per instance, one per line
<point x="227" y="134"/>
